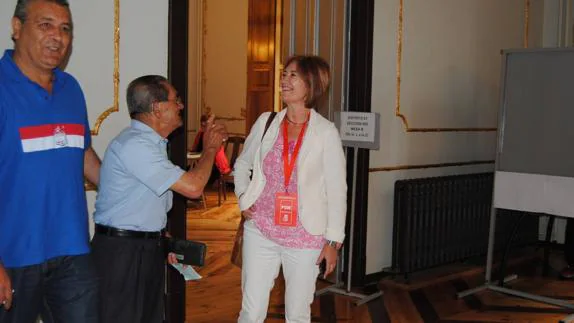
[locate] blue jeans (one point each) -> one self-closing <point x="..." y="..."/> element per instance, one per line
<point x="62" y="289"/>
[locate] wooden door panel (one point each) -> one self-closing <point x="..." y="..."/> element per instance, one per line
<point x="260" y="59"/>
<point x="261" y="78"/>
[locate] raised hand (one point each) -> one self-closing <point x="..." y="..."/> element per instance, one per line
<point x="215" y="134"/>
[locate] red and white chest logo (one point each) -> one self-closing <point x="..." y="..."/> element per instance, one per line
<point x="52" y="136"/>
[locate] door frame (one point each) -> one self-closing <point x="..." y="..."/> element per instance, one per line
<point x="178" y="36"/>
<point x="359" y="86"/>
<point x="361" y="21"/>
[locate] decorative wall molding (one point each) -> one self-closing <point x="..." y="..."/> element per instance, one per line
<point x="229" y="118"/>
<point x="424" y="166"/>
<point x="116" y="79"/>
<point x="526" y="25"/>
<point x="116" y="76"/>
<point x="398" y="75"/>
<point x="208" y="32"/>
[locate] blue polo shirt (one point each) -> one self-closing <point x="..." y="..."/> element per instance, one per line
<point x="43" y="136"/>
<point x="135" y="178"/>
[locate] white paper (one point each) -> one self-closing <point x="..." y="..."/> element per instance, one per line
<point x="188" y="272"/>
<point x="357" y="126"/>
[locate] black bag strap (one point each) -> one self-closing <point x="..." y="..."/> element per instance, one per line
<point x="269" y="120"/>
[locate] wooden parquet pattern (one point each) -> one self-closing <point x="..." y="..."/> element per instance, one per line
<point x="217" y="297"/>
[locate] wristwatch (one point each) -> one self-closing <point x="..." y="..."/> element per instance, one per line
<point x="331" y="243"/>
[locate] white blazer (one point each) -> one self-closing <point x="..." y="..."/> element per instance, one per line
<point x="321" y="173"/>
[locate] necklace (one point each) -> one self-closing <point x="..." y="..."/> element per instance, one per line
<point x="293" y="122"/>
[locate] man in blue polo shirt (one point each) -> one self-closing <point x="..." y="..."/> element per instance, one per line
<point x="135" y="194"/>
<point x="45" y="153"/>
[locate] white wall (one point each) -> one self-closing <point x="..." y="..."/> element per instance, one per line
<point x="225" y="62"/>
<point x="450" y="71"/>
<point x="218" y="63"/>
<point x="143" y="50"/>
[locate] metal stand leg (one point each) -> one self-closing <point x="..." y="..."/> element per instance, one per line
<point x="483" y="287"/>
<point x="533" y="297"/>
<point x="549" y="228"/>
<point x="493" y="285"/>
<point x="502" y="267"/>
<point x="337" y="287"/>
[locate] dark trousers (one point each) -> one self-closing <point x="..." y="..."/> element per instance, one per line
<point x="569" y="242"/>
<point x="131" y="272"/>
<point x="62" y="289"/>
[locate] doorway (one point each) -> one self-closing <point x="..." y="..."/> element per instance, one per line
<point x="300" y="27"/>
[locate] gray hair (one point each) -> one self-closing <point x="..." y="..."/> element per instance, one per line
<point x="22" y="6"/>
<point x="144" y="91"/>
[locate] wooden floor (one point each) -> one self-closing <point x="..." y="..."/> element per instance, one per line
<point x="429" y="297"/>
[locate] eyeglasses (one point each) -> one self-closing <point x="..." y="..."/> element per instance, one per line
<point x="177" y="101"/>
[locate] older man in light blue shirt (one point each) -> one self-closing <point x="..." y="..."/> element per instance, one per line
<point x="137" y="176"/>
<point x="136" y="180"/>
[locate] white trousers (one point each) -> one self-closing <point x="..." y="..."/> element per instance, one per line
<point x="262" y="259"/>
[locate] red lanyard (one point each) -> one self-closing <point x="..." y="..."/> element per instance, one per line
<point x="288" y="166"/>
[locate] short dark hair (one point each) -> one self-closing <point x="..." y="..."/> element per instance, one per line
<point x="21" y="11"/>
<point x="144" y="91"/>
<point x="314" y="71"/>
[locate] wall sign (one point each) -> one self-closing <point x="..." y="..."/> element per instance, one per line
<point x="359" y="129"/>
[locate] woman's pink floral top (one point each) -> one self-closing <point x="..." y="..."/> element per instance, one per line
<point x="264" y="215"/>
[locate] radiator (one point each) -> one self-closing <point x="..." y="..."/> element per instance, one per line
<point x="440" y="220"/>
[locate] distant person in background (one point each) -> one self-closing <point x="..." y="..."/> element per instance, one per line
<point x="221" y="163"/>
<point x="568" y="272"/>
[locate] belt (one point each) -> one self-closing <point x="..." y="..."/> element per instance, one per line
<point x="113" y="232"/>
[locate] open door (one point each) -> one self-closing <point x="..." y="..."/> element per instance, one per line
<point x="261" y="49"/>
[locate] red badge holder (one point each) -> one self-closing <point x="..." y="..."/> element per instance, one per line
<point x="286" y="209"/>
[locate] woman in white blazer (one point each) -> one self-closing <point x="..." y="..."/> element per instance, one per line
<point x="293" y="196"/>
